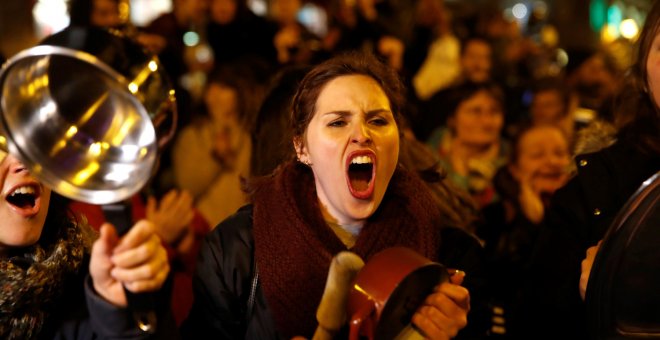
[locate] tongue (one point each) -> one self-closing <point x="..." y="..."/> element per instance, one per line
<point x="360" y="178"/>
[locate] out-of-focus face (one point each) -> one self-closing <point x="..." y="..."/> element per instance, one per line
<point x="23" y="205"/>
<point x="223" y="11"/>
<point x="653" y="69"/>
<point x="476" y="61"/>
<point x="221" y="102"/>
<point x="547" y="107"/>
<point x="195" y="10"/>
<point x="352" y="146"/>
<point x="594" y="71"/>
<point x="543" y="159"/>
<point x="286" y="11"/>
<point x="105" y="13"/>
<point x="478" y="121"/>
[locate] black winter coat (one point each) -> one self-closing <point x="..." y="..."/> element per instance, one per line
<point x="224" y="276"/>
<point x="81" y="314"/>
<point x="579" y="216"/>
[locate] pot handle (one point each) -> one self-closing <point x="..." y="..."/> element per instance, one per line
<point x="357" y="320"/>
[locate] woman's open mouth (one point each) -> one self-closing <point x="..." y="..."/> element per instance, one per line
<point x="360" y="174"/>
<point x="552" y="175"/>
<point x="24" y="199"/>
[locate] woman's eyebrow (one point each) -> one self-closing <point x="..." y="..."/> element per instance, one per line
<point x="340" y="113"/>
<point x="377" y="112"/>
<point x="345" y="113"/>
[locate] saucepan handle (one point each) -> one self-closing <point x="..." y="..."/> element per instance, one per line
<point x="360" y="319"/>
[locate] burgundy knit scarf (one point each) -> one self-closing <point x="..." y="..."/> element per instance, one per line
<point x="294" y="245"/>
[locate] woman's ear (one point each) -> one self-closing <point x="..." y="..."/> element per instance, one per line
<point x="301" y="151"/>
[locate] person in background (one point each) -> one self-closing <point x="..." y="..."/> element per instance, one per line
<point x="552" y="102"/>
<point x="62" y="281"/>
<point x="594" y="78"/>
<point x="365" y="26"/>
<point x="346" y="191"/>
<point x="294" y="43"/>
<point x="471" y="147"/>
<point x="537" y="167"/>
<point x="432" y="59"/>
<point x="475" y="67"/>
<point x="476" y="59"/>
<point x="581" y="212"/>
<point x="99" y="13"/>
<point x="235" y="33"/>
<point x="212" y="155"/>
<point x="179" y="226"/>
<point x="270" y="143"/>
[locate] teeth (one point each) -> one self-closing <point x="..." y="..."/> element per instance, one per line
<point x="362" y="160"/>
<point x="23" y="190"/>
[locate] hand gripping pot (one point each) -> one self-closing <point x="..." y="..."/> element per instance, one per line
<point x="87" y="111"/>
<point x="388" y="290"/>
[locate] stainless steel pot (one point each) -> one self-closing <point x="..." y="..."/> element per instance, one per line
<point x="87" y="111"/>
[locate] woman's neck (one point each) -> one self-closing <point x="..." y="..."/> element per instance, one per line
<point x="346" y="231"/>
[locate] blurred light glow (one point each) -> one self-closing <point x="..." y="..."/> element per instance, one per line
<point x="609" y="33"/>
<point x="191" y="38"/>
<point x="562" y="57"/>
<point x="314" y="18"/>
<point x="259" y="7"/>
<point x="95" y="149"/>
<point x="50" y="16"/>
<point x="629" y="29"/>
<point x="519" y="10"/>
<point x="83" y="175"/>
<point x="614" y="16"/>
<point x="153" y="66"/>
<point x="133" y="87"/>
<point x="204" y="53"/>
<point x="541" y="8"/>
<point x="143" y="12"/>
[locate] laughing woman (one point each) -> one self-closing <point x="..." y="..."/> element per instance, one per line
<point x="346" y="190"/>
<point x="56" y="281"/>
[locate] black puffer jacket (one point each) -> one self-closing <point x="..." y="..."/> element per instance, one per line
<point x="579" y="216"/>
<point x="83" y="314"/>
<point x="224" y="276"/>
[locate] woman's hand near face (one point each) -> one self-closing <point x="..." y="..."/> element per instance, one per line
<point x="172" y="217"/>
<point x="587" y="263"/>
<point x="137" y="261"/>
<point x="444" y="312"/>
<point x="530" y="199"/>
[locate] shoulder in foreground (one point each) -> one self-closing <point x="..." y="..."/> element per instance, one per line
<point x="460" y="237"/>
<point x="238" y="224"/>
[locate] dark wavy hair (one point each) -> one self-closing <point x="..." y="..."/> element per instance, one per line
<point x="80" y="12"/>
<point x="350" y="63"/>
<point x="637" y="115"/>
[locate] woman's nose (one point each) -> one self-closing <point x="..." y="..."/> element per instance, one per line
<point x="361" y="134"/>
<point x="15" y="166"/>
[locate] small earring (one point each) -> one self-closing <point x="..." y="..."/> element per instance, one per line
<point x="306" y="162"/>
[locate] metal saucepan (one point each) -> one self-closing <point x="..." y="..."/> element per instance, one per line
<point x="87" y="111"/>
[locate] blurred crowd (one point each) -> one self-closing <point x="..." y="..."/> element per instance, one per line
<point x="491" y="103"/>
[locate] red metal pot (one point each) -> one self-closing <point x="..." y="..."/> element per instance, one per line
<point x="388" y="290"/>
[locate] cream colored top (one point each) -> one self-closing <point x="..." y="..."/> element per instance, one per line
<point x="346" y="234"/>
<point x="215" y="187"/>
